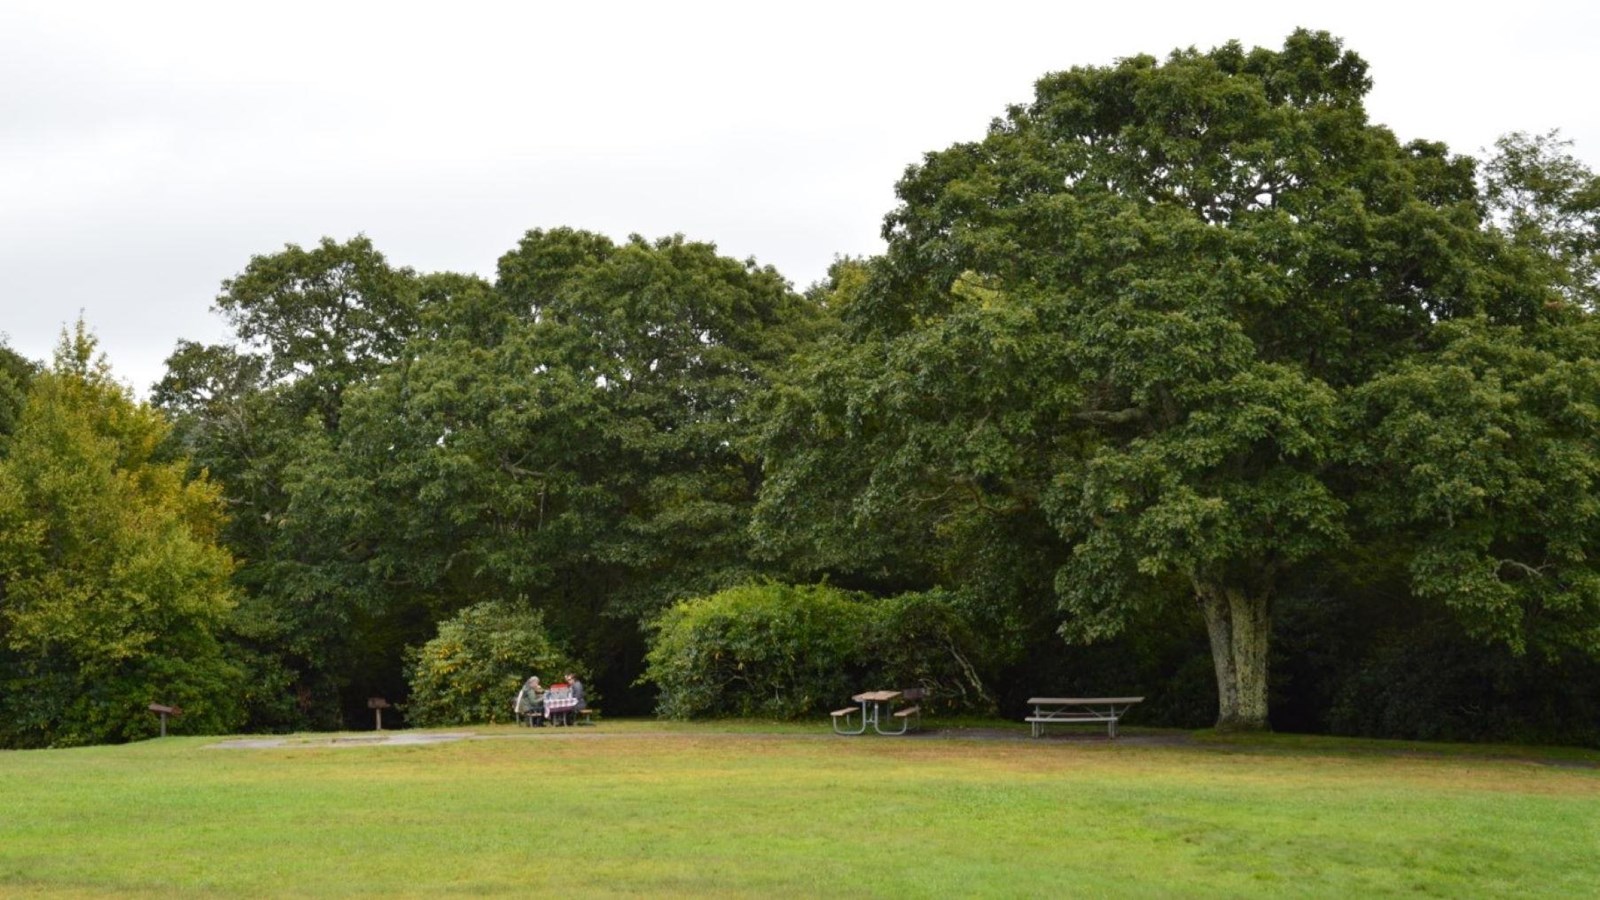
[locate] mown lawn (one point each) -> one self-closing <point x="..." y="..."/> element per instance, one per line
<point x="650" y="810"/>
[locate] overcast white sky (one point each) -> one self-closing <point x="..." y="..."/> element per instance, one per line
<point x="147" y="150"/>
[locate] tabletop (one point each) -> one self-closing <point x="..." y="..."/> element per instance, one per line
<point x="876" y="697"/>
<point x="1079" y="701"/>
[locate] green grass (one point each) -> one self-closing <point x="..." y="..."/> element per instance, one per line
<point x="1380" y="746"/>
<point x="738" y="809"/>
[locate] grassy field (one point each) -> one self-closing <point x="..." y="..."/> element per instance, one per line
<point x="648" y="809"/>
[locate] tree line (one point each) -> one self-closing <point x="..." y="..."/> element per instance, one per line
<point x="1185" y="378"/>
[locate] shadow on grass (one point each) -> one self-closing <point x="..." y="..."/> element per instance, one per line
<point x="1324" y="745"/>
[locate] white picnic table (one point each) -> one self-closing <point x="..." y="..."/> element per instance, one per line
<point x="1077" y="710"/>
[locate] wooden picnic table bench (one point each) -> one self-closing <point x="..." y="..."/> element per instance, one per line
<point x="1077" y="710"/>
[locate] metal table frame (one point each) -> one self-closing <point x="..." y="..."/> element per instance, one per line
<point x="1077" y="710"/>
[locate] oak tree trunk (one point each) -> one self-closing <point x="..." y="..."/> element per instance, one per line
<point x="1239" y="627"/>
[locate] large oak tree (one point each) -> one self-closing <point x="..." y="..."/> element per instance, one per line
<point x="1181" y="313"/>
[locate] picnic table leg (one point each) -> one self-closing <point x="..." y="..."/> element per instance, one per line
<point x="847" y="730"/>
<point x="878" y="727"/>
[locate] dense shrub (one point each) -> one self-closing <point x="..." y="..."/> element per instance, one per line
<point x="1439" y="684"/>
<point x="785" y="651"/>
<point x="1163" y="657"/>
<point x="760" y="650"/>
<point x="924" y="640"/>
<point x="471" y="672"/>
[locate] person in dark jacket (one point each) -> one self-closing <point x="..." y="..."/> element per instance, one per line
<point x="577" y="694"/>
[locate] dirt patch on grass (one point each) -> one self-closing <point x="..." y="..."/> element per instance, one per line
<point x="387" y="739"/>
<point x="414" y="738"/>
<point x="1137" y="739"/>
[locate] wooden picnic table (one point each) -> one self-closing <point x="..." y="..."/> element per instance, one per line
<point x="872" y="706"/>
<point x="1077" y="710"/>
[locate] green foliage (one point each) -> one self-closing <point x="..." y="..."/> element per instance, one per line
<point x="1548" y="203"/>
<point x="1149" y="339"/>
<point x="926" y="640"/>
<point x="1439" y="685"/>
<point x="15" y="374"/>
<point x="785" y="651"/>
<point x="1483" y="457"/>
<point x="326" y="317"/>
<point x="470" y="672"/>
<point x="763" y="650"/>
<point x="399" y="446"/>
<point x="112" y="583"/>
<point x="578" y="436"/>
<point x="1176" y="334"/>
<point x="317" y="629"/>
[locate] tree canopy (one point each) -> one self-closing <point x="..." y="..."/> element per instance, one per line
<point x="574" y="436"/>
<point x="1185" y="357"/>
<point x="1158" y="310"/>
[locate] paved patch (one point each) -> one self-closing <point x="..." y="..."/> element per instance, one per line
<point x="407" y="737"/>
<point x="389" y="739"/>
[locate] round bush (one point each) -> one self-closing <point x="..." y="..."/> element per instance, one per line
<point x="785" y="651"/>
<point x="471" y="672"/>
<point x="762" y="650"/>
<point x="923" y="640"/>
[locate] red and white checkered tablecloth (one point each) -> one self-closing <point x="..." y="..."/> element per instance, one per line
<point x="558" y="700"/>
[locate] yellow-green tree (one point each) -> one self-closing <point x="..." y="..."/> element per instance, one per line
<point x="111" y="578"/>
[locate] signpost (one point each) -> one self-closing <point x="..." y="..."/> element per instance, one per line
<point x="164" y="711"/>
<point x="378" y="705"/>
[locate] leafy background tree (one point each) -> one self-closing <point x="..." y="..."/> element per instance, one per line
<point x="16" y="373"/>
<point x="310" y="324"/>
<point x="574" y="435"/>
<point x="1548" y="203"/>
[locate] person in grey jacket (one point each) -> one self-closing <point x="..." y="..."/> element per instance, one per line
<point x="529" y="704"/>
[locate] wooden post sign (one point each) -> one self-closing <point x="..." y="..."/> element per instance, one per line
<point x="378" y="705"/>
<point x="164" y="711"/>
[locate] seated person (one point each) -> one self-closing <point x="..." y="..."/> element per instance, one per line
<point x="529" y="704"/>
<point x="577" y="696"/>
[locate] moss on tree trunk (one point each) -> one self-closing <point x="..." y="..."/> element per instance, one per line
<point x="1240" y="628"/>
